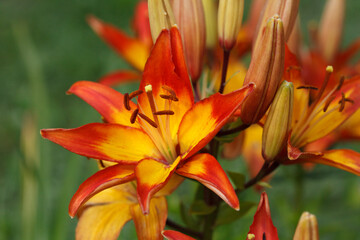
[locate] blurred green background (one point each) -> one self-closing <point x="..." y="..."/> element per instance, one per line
<point x="45" y="47"/>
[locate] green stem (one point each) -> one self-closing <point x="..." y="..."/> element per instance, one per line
<point x="182" y="229"/>
<point x="266" y="169"/>
<point x="299" y="187"/>
<point x="224" y="70"/>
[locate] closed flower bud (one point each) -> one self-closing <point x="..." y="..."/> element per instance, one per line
<point x="307" y="228"/>
<point x="278" y="122"/>
<point x="189" y="15"/>
<point x="330" y="29"/>
<point x="210" y="23"/>
<point x="294" y="41"/>
<point x="160" y="16"/>
<point x="286" y="9"/>
<point x="265" y="70"/>
<point x="229" y="22"/>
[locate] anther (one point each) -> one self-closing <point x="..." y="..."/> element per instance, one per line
<point x="126" y="101"/>
<point x="327" y="104"/>
<point x="134" y="115"/>
<point x="342" y="79"/>
<point x="342" y="102"/>
<point x="165" y="112"/>
<point x="102" y="163"/>
<point x="135" y="94"/>
<point x="169" y="90"/>
<point x="147" y="119"/>
<point x="349" y="100"/>
<point x="307" y="87"/>
<point x="169" y="97"/>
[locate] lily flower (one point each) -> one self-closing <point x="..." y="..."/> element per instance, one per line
<point x="104" y="215"/>
<point x="134" y="50"/>
<point x="326" y="50"/>
<point x="159" y="136"/>
<point x="327" y="111"/>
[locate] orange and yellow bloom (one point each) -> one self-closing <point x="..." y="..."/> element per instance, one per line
<point x="155" y="138"/>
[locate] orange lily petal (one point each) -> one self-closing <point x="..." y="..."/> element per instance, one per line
<point x="105" y="141"/>
<point x="108" y="102"/>
<point x="173" y="183"/>
<point x="98" y="182"/>
<point x="262" y="224"/>
<point x="174" y="235"/>
<point x="166" y="67"/>
<point x="103" y="221"/>
<point x="344" y="159"/>
<point x="151" y="176"/>
<point x="150" y="226"/>
<point x="123" y="76"/>
<point x="203" y="121"/>
<point x="351" y="128"/>
<point x="294" y="153"/>
<point x="132" y="50"/>
<point x="326" y="122"/>
<point x="142" y="24"/>
<point x="207" y="170"/>
<point x="344" y="56"/>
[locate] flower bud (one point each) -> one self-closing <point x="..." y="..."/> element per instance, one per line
<point x="286" y="9"/>
<point x="278" y="122"/>
<point x="160" y="16"/>
<point x="210" y="23"/>
<point x="189" y="15"/>
<point x="330" y="29"/>
<point x="307" y="228"/>
<point x="265" y="70"/>
<point x="294" y="41"/>
<point x="229" y="22"/>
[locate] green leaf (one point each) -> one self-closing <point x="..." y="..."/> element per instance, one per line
<point x="237" y="178"/>
<point x="228" y="215"/>
<point x="264" y="184"/>
<point x="201" y="208"/>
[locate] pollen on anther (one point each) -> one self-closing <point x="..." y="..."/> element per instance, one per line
<point x="169" y="97"/>
<point x="341" y="82"/>
<point x="307" y="87"/>
<point x="342" y="102"/>
<point x="172" y="92"/>
<point x="133" y="116"/>
<point x="327" y="104"/>
<point x="135" y="94"/>
<point x="147" y="119"/>
<point x="126" y="101"/>
<point x="164" y="112"/>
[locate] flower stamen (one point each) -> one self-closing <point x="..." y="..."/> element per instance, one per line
<point x="135" y="94"/>
<point x="169" y="97"/>
<point x="126" y="102"/>
<point x="327" y="104"/>
<point x="147" y="119"/>
<point x="309" y="87"/>
<point x="149" y="93"/>
<point x="134" y="115"/>
<point x="164" y="112"/>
